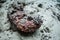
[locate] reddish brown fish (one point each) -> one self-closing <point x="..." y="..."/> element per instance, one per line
<point x="24" y="25"/>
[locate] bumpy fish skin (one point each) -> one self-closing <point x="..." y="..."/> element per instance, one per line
<point x="28" y="24"/>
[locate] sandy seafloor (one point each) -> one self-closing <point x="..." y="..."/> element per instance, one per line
<point x="49" y="12"/>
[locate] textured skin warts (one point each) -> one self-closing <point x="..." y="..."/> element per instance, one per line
<point x="15" y="17"/>
<point x="29" y="26"/>
<point x="24" y="25"/>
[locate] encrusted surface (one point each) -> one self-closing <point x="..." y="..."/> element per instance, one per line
<point x="47" y="10"/>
